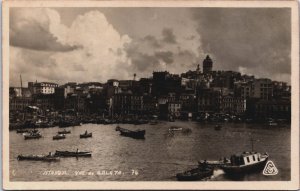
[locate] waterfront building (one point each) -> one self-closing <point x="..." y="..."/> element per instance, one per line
<point x="276" y="109"/>
<point x="19" y="103"/>
<point x="76" y="102"/>
<point x="263" y="89"/>
<point x="208" y="101"/>
<point x="19" y="92"/>
<point x="44" y="101"/>
<point x="188" y="105"/>
<point x="174" y="109"/>
<point x="164" y="83"/>
<point x="127" y="103"/>
<point x="281" y="90"/>
<point x="42" y="87"/>
<point x="150" y="105"/>
<point x="244" y="89"/>
<point x="233" y="105"/>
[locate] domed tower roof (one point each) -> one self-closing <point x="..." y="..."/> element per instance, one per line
<point x="207" y="64"/>
<point x="207" y="61"/>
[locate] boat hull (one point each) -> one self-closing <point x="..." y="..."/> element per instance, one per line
<point x="237" y="170"/>
<point x="58" y="138"/>
<point x="32" y="137"/>
<point x="86" y="135"/>
<point x="195" y="176"/>
<point x="135" y="135"/>
<point x="64" y="132"/>
<point x="38" y="158"/>
<point x="72" y="154"/>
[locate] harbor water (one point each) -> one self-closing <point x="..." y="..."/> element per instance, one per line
<point x="159" y="157"/>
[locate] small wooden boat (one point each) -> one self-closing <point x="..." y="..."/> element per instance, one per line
<point x="22" y="131"/>
<point x="59" y="136"/>
<point x="47" y="158"/>
<point x="186" y="130"/>
<point x="86" y="135"/>
<point x="195" y="174"/>
<point x="138" y="134"/>
<point x="245" y="163"/>
<point x="64" y="132"/>
<point x="32" y="136"/>
<point x="173" y="128"/>
<point x="73" y="154"/>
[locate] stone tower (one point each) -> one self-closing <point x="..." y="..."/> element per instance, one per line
<point x="207" y="64"/>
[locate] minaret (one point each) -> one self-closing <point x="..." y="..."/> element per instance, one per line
<point x="198" y="68"/>
<point x="21" y="85"/>
<point x="207" y="64"/>
<point x="134" y="76"/>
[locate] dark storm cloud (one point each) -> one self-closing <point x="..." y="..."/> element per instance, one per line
<point x="143" y="61"/>
<point x="166" y="56"/>
<point x="31" y="34"/>
<point x="152" y="41"/>
<point x="247" y="37"/>
<point x="168" y="35"/>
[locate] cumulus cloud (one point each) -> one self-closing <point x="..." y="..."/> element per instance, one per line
<point x="172" y="50"/>
<point x="101" y="55"/>
<point x="32" y="30"/>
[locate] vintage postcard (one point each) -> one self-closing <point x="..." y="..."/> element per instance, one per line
<point x="150" y="95"/>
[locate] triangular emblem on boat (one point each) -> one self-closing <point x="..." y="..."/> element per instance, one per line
<point x="270" y="169"/>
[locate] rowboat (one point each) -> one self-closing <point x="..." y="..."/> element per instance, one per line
<point x="64" y="132"/>
<point x="195" y="174"/>
<point x="22" y="131"/>
<point x="138" y="134"/>
<point x="46" y="158"/>
<point x="86" y="135"/>
<point x="32" y="136"/>
<point x="73" y="154"/>
<point x="173" y="128"/>
<point x="59" y="136"/>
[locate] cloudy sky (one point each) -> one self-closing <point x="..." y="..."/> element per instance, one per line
<point x="96" y="44"/>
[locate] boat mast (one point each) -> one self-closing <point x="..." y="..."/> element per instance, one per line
<point x="21" y="85"/>
<point x="251" y="144"/>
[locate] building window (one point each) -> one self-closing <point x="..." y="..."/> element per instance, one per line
<point x="248" y="160"/>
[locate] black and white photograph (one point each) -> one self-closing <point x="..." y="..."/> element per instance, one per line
<point x="164" y="92"/>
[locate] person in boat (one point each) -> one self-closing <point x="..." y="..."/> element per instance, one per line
<point x="85" y="132"/>
<point x="50" y="154"/>
<point x="77" y="151"/>
<point x="203" y="165"/>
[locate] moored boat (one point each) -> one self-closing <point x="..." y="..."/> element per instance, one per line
<point x="59" y="136"/>
<point x="33" y="136"/>
<point x="86" y="135"/>
<point x="64" y="132"/>
<point x="195" y="174"/>
<point x="22" y="131"/>
<point x="246" y="162"/>
<point x="138" y="134"/>
<point x="174" y="128"/>
<point x="73" y="154"/>
<point x="48" y="158"/>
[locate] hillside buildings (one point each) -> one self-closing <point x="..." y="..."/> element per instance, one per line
<point x="192" y="94"/>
